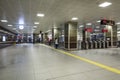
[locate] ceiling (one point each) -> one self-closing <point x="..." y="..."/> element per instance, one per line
<point x="57" y="12"/>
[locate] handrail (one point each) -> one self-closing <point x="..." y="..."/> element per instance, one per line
<point x="7" y="42"/>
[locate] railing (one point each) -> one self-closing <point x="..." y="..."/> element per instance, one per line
<point x="6" y="44"/>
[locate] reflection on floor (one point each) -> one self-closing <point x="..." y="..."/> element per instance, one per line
<point x="36" y="62"/>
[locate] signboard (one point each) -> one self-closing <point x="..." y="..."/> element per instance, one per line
<point x="88" y="29"/>
<point x="107" y="22"/>
<point x="104" y="30"/>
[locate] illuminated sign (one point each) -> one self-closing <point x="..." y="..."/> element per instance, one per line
<point x="107" y="22"/>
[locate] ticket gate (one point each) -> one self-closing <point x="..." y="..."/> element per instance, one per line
<point x="98" y="44"/>
<point x="102" y="44"/>
<point x="94" y="45"/>
<point x="90" y="45"/>
<point x="84" y="45"/>
<point x="106" y="44"/>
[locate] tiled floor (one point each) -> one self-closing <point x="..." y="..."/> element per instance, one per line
<point x="36" y="62"/>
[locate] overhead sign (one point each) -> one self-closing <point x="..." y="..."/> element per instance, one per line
<point x="89" y="29"/>
<point x="104" y="30"/>
<point x="107" y="22"/>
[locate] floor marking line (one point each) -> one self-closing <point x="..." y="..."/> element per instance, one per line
<point x="87" y="60"/>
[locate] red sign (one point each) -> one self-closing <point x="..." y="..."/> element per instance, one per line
<point x="107" y="22"/>
<point x="88" y="29"/>
<point x="104" y="30"/>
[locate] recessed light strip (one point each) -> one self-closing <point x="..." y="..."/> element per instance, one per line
<point x="89" y="24"/>
<point x="36" y="22"/>
<point x="118" y="23"/>
<point x="4" y="21"/>
<point x="10" y="25"/>
<point x="98" y="21"/>
<point x="40" y="15"/>
<point x="105" y="4"/>
<point x="74" y="18"/>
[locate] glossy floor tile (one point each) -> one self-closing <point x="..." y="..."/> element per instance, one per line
<point x="37" y="62"/>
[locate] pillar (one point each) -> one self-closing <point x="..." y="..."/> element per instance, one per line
<point x="55" y="33"/>
<point x="70" y="35"/>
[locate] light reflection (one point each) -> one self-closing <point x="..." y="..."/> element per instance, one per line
<point x="21" y="20"/>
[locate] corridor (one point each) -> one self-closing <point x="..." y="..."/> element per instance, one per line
<point x="40" y="62"/>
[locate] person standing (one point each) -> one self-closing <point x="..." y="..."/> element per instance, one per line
<point x="56" y="43"/>
<point x="118" y="44"/>
<point x="49" y="41"/>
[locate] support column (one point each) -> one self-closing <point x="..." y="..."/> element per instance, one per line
<point x="55" y="33"/>
<point x="70" y="35"/>
<point x="45" y="37"/>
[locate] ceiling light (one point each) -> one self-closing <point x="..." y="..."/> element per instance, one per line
<point x="10" y="25"/>
<point x="98" y="21"/>
<point x="36" y="22"/>
<point x="40" y="15"/>
<point x="118" y="32"/>
<point x="105" y="4"/>
<point x="118" y="23"/>
<point x="81" y="26"/>
<point x="4" y="21"/>
<point x="74" y="18"/>
<point x="35" y="26"/>
<point x="89" y="24"/>
<point x="14" y="28"/>
<point x="33" y="29"/>
<point x="21" y="20"/>
<point x="21" y="27"/>
<point x="97" y="26"/>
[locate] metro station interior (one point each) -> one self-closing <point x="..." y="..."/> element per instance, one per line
<point x="59" y="40"/>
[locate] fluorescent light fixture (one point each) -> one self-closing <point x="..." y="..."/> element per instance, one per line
<point x="105" y="4"/>
<point x="40" y="15"/>
<point x="97" y="26"/>
<point x="4" y="21"/>
<point x="36" y="22"/>
<point x="98" y="21"/>
<point x="81" y="26"/>
<point x="21" y="20"/>
<point x="118" y="23"/>
<point x="33" y="29"/>
<point x="4" y="38"/>
<point x="118" y="32"/>
<point x="89" y="24"/>
<point x="21" y="27"/>
<point x="34" y="26"/>
<point x="10" y="25"/>
<point x="14" y="28"/>
<point x="74" y="18"/>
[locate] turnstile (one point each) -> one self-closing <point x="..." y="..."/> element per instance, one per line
<point x="94" y="45"/>
<point x="90" y="45"/>
<point x="98" y="44"/>
<point x="102" y="44"/>
<point x="84" y="45"/>
<point x="106" y="44"/>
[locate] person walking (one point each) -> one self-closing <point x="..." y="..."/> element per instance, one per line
<point x="56" y="43"/>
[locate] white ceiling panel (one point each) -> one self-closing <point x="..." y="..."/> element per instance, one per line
<point x="56" y="12"/>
